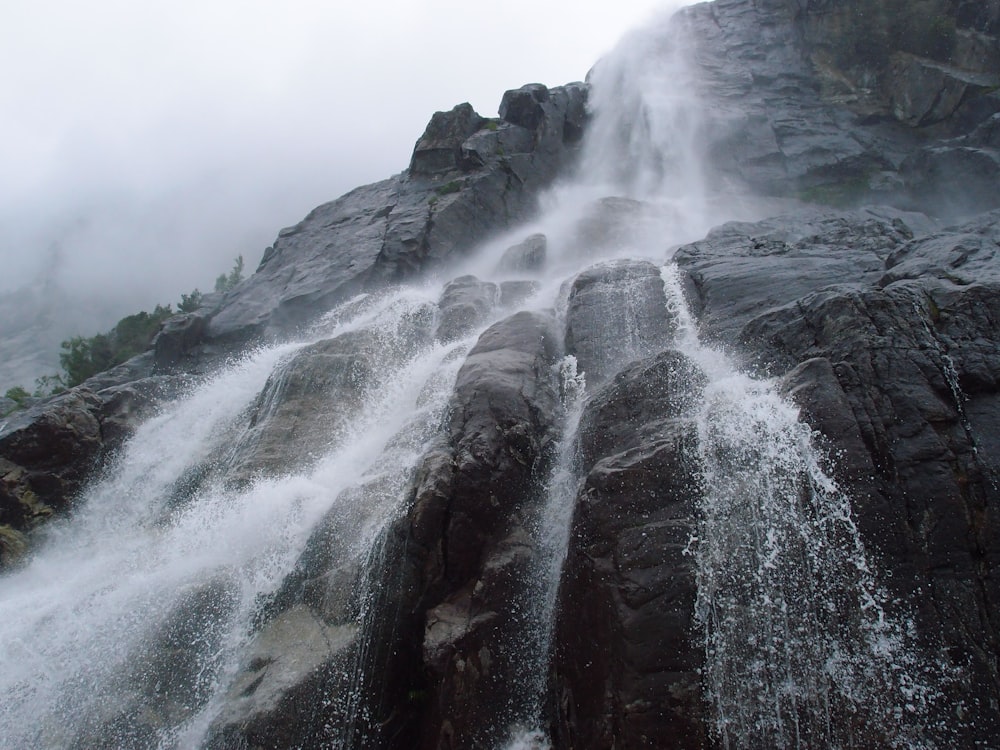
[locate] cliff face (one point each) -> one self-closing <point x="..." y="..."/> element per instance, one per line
<point x="881" y="323"/>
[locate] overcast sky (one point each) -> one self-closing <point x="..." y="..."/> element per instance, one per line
<point x="143" y="145"/>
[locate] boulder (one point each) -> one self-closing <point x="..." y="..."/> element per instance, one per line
<point x="523" y="107"/>
<point x="527" y="255"/>
<point x="177" y="337"/>
<point x="439" y="149"/>
<point x="465" y="304"/>
<point x="46" y="455"/>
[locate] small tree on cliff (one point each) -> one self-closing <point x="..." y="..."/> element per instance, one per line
<point x="225" y="282"/>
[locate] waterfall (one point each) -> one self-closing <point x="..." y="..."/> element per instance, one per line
<point x="192" y="566"/>
<point x="137" y="613"/>
<point x="799" y="649"/>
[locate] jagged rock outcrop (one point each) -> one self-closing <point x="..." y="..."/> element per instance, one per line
<point x="464" y="306"/>
<point x="469" y="178"/>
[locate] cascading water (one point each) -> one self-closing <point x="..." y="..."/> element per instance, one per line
<point x="800" y="651"/>
<point x="150" y="616"/>
<point x="127" y="628"/>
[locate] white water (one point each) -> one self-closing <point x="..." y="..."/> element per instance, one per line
<point x="78" y="623"/>
<point x="800" y="650"/>
<point x="794" y="625"/>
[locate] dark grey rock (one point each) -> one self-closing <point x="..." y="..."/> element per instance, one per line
<point x="47" y="453"/>
<point x="627" y="669"/>
<point x="466" y="535"/>
<point x="390" y="231"/>
<point x="925" y="92"/>
<point x="897" y="371"/>
<point x="439" y="149"/>
<point x="966" y="254"/>
<point x="740" y="269"/>
<point x="627" y="412"/>
<point x="177" y="337"/>
<point x="812" y="100"/>
<point x="524" y="106"/>
<point x="954" y="179"/>
<point x="306" y="405"/>
<point x="617" y="313"/>
<point x="464" y="305"/>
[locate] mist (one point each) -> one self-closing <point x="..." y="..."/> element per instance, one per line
<point x="144" y="147"/>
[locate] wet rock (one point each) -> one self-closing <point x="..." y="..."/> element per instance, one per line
<point x="177" y="337"/>
<point x="390" y="231"/>
<point x="46" y="455"/>
<point x="617" y="314"/>
<point x="784" y="258"/>
<point x="527" y="255"/>
<point x="811" y="100"/>
<point x="627" y="666"/>
<point x="439" y="149"/>
<point x="516" y="293"/>
<point x="627" y="412"/>
<point x="925" y="92"/>
<point x="966" y="254"/>
<point x="305" y="406"/>
<point x="465" y="304"/>
<point x="125" y="407"/>
<point x="466" y="526"/>
<point x="523" y="107"/>
<point x="898" y="373"/>
<point x="954" y="178"/>
<point x="273" y="698"/>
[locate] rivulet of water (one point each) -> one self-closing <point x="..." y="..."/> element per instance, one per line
<point x="800" y="651"/>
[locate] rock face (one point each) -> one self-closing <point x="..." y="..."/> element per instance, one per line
<point x="626" y="669"/>
<point x="879" y="321"/>
<point x="49" y="451"/>
<point x="467" y="529"/>
<point x="898" y="370"/>
<point x="469" y="178"/>
<point x="826" y="100"/>
<point x="617" y="313"/>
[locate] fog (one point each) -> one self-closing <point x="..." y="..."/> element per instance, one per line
<point x="145" y="145"/>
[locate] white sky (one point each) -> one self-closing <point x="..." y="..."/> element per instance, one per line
<point x="154" y="140"/>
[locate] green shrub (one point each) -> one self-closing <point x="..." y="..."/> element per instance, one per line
<point x="17" y="394"/>
<point x="225" y="282"/>
<point x="190" y="302"/>
<point x="449" y="187"/>
<point x="83" y="357"/>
